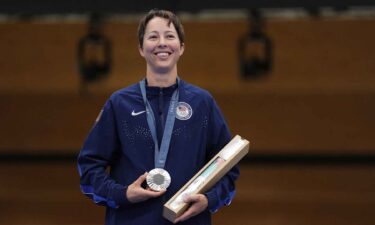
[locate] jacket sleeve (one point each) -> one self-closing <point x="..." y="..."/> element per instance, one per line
<point x="96" y="155"/>
<point x="223" y="191"/>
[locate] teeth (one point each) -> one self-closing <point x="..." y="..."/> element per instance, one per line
<point x="162" y="54"/>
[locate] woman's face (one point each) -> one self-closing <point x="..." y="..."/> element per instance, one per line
<point x="161" y="46"/>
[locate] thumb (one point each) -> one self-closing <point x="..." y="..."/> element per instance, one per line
<point x="140" y="179"/>
<point x="191" y="198"/>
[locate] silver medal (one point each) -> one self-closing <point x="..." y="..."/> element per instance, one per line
<point x="158" y="179"/>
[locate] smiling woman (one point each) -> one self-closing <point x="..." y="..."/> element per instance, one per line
<point x="162" y="122"/>
<point x="161" y="49"/>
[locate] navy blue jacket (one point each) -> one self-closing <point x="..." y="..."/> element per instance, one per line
<point x="121" y="140"/>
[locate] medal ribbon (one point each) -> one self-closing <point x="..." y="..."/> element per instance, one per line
<point x="161" y="154"/>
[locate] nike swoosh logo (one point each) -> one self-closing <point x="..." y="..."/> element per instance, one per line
<point x="137" y="113"/>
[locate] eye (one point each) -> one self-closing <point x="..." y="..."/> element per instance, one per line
<point x="152" y="37"/>
<point x="171" y="36"/>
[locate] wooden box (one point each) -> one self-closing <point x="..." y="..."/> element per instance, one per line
<point x="211" y="173"/>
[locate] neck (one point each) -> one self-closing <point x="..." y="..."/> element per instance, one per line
<point x="161" y="79"/>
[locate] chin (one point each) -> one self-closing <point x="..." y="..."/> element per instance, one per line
<point x="163" y="67"/>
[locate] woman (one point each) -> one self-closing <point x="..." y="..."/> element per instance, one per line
<point x="162" y="122"/>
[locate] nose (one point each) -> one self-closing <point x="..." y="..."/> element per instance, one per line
<point x="162" y="42"/>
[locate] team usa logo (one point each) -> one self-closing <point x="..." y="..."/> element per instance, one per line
<point x="183" y="111"/>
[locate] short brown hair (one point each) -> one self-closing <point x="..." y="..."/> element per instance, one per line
<point x="170" y="16"/>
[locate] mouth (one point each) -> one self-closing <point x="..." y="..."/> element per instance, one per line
<point x="163" y="54"/>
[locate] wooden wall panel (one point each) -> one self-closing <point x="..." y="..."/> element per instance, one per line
<point x="309" y="54"/>
<point x="318" y="99"/>
<point x="309" y="123"/>
<point x="48" y="194"/>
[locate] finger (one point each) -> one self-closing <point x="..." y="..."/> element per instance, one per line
<point x="152" y="194"/>
<point x="191" y="198"/>
<point x="156" y="193"/>
<point x="186" y="215"/>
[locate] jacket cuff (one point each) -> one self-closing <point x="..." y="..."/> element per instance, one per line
<point x="212" y="201"/>
<point x="119" y="196"/>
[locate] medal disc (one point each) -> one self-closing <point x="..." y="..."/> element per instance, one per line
<point x="158" y="179"/>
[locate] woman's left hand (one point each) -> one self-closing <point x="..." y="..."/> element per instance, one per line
<point x="198" y="203"/>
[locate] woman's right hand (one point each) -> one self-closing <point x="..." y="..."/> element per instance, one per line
<point x="136" y="193"/>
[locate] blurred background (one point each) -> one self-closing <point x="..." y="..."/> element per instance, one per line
<point x="296" y="78"/>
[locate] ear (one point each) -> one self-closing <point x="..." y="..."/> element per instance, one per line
<point x="182" y="48"/>
<point x="140" y="49"/>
